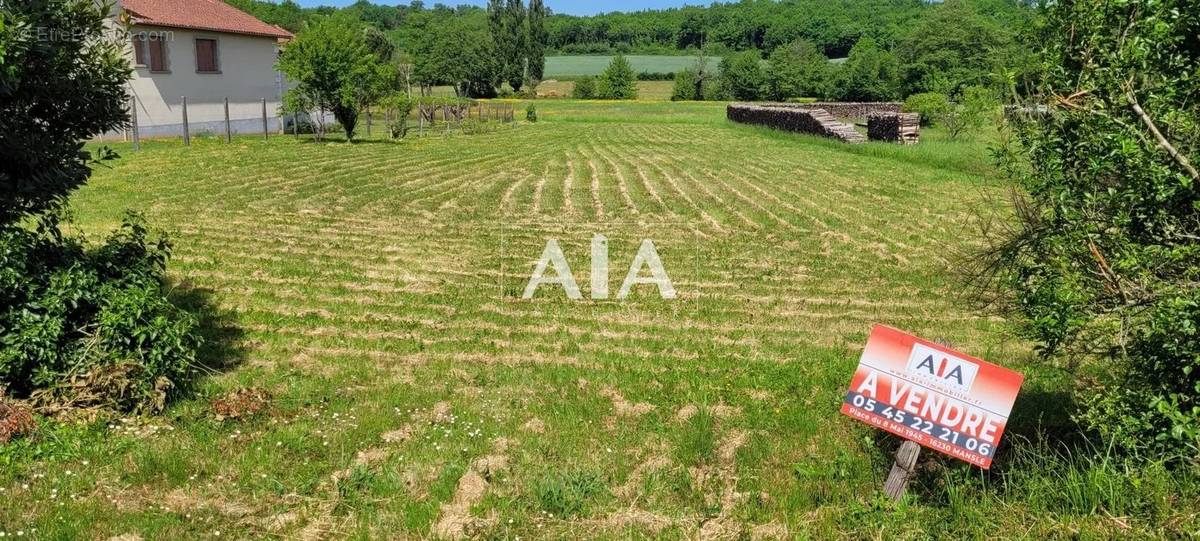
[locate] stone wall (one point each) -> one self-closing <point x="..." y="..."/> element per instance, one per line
<point x="811" y="121"/>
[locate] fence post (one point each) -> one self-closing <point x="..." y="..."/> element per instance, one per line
<point x="228" y="130"/>
<point x="420" y="120"/>
<point x="368" y="121"/>
<point x="187" y="137"/>
<point x="133" y="123"/>
<point x="264" y="109"/>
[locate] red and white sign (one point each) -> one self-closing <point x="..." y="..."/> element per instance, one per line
<point x="940" y="398"/>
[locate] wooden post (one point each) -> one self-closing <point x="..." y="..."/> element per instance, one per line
<point x="187" y="137"/>
<point x="903" y="470"/>
<point x="296" y="124"/>
<point x="420" y="120"/>
<point x="264" y="111"/>
<point x="228" y="130"/>
<point x="368" y="121"/>
<point x="133" y="124"/>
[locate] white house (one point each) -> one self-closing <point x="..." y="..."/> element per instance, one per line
<point x="206" y="51"/>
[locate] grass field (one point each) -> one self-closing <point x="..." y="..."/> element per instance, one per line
<point x="373" y="290"/>
<point x="579" y="65"/>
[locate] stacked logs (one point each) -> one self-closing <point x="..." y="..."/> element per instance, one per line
<point x="897" y="127"/>
<point x="812" y="121"/>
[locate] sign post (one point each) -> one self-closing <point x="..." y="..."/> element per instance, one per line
<point x="931" y="395"/>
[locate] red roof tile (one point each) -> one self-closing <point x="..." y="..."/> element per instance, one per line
<point x="213" y="15"/>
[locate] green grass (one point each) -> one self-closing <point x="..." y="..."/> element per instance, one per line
<point x="371" y="288"/>
<point x="580" y="65"/>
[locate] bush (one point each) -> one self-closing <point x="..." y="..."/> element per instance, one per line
<point x="585" y="89"/>
<point x="618" y="82"/>
<point x="71" y="312"/>
<point x="968" y="115"/>
<point x="656" y="76"/>
<point x="685" y="86"/>
<point x="397" y="107"/>
<point x="930" y="105"/>
<point x="531" y="113"/>
<point x="798" y="69"/>
<point x="1104" y="261"/>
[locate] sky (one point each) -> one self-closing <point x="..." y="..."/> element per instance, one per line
<point x="570" y="7"/>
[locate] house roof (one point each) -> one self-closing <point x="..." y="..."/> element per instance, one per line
<point x="212" y="15"/>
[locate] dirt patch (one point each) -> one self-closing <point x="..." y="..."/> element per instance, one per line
<point x="455" y="518"/>
<point x="625" y="408"/>
<point x="241" y="403"/>
<point x="534" y="425"/>
<point x="180" y="500"/>
<point x="634" y="483"/>
<point x="759" y="394"/>
<point x="687" y="412"/>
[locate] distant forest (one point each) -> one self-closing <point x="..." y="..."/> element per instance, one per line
<point x="834" y="26"/>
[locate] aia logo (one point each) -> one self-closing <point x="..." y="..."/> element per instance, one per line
<point x="942" y="367"/>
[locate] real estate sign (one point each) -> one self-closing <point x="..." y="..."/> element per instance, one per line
<point x="940" y="398"/>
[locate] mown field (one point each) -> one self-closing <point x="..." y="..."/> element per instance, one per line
<point x="580" y="65"/>
<point x="372" y="289"/>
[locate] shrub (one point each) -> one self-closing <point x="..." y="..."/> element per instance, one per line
<point x="585" y="89"/>
<point x="398" y="107"/>
<point x="531" y="113"/>
<point x="930" y="105"/>
<point x="618" y="82"/>
<point x="71" y="312"/>
<point x="685" y="86"/>
<point x="968" y="115"/>
<point x="1104" y="261"/>
<point x="54" y="93"/>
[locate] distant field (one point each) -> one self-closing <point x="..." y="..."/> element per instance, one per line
<point x="578" y="65"/>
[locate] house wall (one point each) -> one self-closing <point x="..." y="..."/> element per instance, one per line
<point x="247" y="76"/>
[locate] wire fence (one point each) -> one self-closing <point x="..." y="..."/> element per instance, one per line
<point x="441" y="116"/>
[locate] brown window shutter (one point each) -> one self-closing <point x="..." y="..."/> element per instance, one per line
<point x="206" y="55"/>
<point x="139" y="49"/>
<point x="157" y="54"/>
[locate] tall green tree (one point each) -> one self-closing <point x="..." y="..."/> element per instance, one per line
<point x="951" y="46"/>
<point x="458" y="54"/>
<point x="1104" y="262"/>
<point x="798" y="70"/>
<point x="515" y="49"/>
<point x="870" y="73"/>
<point x="742" y="75"/>
<point x="618" y="82"/>
<point x="537" y="39"/>
<point x="331" y="64"/>
<point x="54" y="94"/>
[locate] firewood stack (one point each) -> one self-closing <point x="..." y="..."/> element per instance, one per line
<point x="903" y="128"/>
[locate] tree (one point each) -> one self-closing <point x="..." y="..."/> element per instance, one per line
<point x="460" y="55"/>
<point x="506" y="22"/>
<point x="54" y="94"/>
<point x="952" y="46"/>
<point x="930" y="105"/>
<point x="618" y="82"/>
<point x="515" y="44"/>
<point x="798" y="70"/>
<point x="742" y="75"/>
<point x="537" y="39"/>
<point x="869" y="74"/>
<point x="331" y="64"/>
<point x="1103" y="263"/>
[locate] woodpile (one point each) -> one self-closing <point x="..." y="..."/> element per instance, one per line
<point x="811" y="121"/>
<point x="897" y="127"/>
<point x="847" y="109"/>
